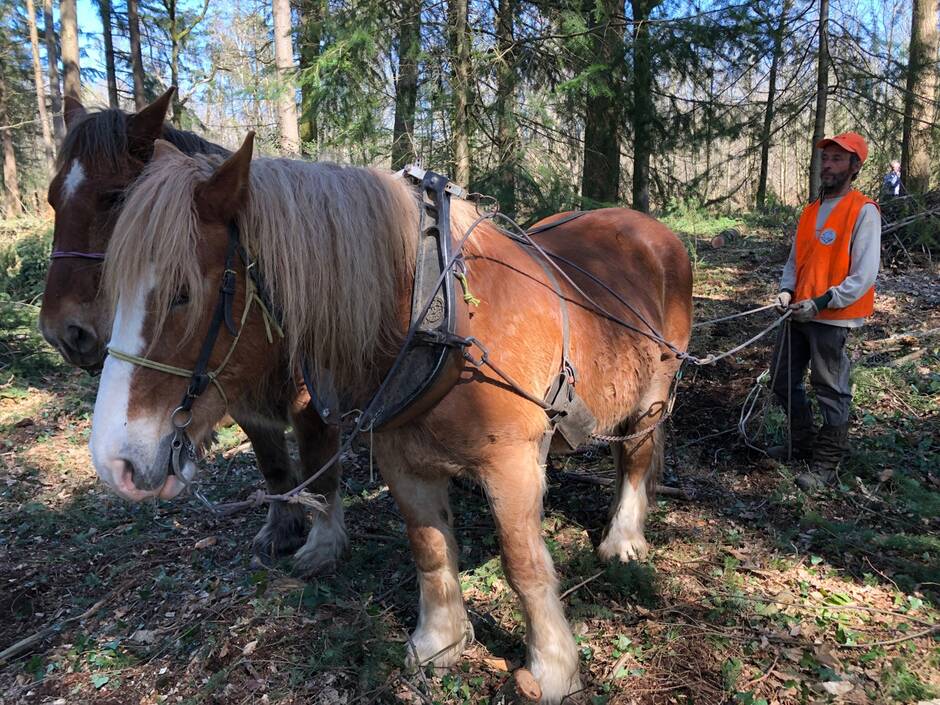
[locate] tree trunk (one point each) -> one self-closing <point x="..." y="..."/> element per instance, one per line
<point x="309" y="37"/>
<point x="52" y="61"/>
<point x="506" y="134"/>
<point x="48" y="147"/>
<point x="643" y="107"/>
<point x="284" y="58"/>
<point x="177" y="116"/>
<point x="919" y="98"/>
<point x="460" y="59"/>
<point x="13" y="206"/>
<point x="406" y="88"/>
<point x="600" y="178"/>
<point x="104" y="8"/>
<point x="71" y="75"/>
<point x="137" y="62"/>
<point x="769" y="107"/>
<point x="822" y="93"/>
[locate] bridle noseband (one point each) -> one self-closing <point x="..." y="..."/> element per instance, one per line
<point x="70" y="254"/>
<point x="200" y="376"/>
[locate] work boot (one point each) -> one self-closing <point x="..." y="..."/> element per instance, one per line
<point x="830" y="447"/>
<point x="802" y="437"/>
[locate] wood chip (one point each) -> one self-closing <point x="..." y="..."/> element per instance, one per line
<point x="206" y="542"/>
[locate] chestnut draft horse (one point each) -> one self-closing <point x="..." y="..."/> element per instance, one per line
<point x="103" y="153"/>
<point x="335" y="248"/>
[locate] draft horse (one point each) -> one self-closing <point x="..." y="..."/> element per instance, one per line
<point x="335" y="250"/>
<point x="102" y="155"/>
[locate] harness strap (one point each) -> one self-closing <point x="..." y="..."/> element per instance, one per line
<point x="555" y="223"/>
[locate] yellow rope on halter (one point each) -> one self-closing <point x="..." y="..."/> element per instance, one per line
<point x="465" y="285"/>
<point x="269" y="323"/>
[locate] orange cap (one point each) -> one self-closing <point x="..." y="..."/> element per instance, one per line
<point x="849" y="141"/>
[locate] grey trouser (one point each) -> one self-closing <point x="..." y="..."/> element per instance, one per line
<point x="822" y="348"/>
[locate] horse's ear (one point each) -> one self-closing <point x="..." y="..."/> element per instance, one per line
<point x="147" y="125"/>
<point x="224" y="193"/>
<point x="162" y="148"/>
<point x="72" y="110"/>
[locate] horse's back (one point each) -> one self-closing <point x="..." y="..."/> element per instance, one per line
<point x="636" y="255"/>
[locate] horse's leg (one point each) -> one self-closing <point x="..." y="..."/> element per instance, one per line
<point x="443" y="630"/>
<point x="327" y="540"/>
<point x="284" y="531"/>
<point x="639" y="464"/>
<point x="514" y="487"/>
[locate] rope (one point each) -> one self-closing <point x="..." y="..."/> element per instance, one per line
<point x="734" y="315"/>
<point x="213" y="375"/>
<point x="653" y="334"/>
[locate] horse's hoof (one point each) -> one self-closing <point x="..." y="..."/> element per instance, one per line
<point x="624" y="547"/>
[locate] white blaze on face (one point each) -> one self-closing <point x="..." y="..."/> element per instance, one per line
<point x="73" y="179"/>
<point x="115" y="440"/>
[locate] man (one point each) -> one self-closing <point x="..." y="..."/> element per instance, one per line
<point x="891" y="186"/>
<point x="828" y="285"/>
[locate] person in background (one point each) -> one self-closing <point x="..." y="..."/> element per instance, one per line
<point x="828" y="284"/>
<point x="891" y="186"/>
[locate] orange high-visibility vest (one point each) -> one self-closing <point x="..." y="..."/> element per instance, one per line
<point x="823" y="257"/>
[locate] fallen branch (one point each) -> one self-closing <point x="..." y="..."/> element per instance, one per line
<point x="904" y="359"/>
<point x="27" y="643"/>
<point x="935" y="629"/>
<point x="664" y="490"/>
<point x="899" y="338"/>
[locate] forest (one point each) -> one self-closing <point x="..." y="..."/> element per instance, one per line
<point x="545" y="106"/>
<point x="703" y="114"/>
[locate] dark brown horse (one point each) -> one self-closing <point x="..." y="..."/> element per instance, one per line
<point x="103" y="153"/>
<point x="336" y="248"/>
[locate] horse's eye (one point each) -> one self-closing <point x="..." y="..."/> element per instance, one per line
<point x="181" y="298"/>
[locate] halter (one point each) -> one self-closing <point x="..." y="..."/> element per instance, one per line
<point x="63" y="254"/>
<point x="200" y="376"/>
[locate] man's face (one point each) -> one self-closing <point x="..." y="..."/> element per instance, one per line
<point x="896" y="167"/>
<point x="836" y="167"/>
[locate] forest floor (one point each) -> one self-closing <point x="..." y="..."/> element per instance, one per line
<point x="754" y="593"/>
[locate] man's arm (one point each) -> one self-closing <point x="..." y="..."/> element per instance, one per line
<point x="866" y="261"/>
<point x="788" y="278"/>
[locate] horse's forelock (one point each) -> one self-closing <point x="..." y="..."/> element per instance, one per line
<point x="157" y="233"/>
<point x="97" y="138"/>
<point x="335" y="246"/>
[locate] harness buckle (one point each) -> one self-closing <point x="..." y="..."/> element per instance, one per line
<point x="228" y="282"/>
<point x="175" y="418"/>
<point x="469" y="342"/>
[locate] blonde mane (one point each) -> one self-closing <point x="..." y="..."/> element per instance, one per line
<point x="335" y="246"/>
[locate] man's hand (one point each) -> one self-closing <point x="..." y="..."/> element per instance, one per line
<point x="783" y="301"/>
<point x="804" y="311"/>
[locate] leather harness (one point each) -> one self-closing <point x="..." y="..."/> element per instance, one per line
<point x="433" y="353"/>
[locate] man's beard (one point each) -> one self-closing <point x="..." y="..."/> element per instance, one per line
<point x="837" y="185"/>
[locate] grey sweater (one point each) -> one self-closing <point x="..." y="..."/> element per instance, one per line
<point x="865" y="249"/>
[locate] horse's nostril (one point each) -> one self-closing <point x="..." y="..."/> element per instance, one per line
<point x="79" y="338"/>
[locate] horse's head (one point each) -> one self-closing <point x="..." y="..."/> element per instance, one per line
<point x="180" y="288"/>
<point x="102" y="154"/>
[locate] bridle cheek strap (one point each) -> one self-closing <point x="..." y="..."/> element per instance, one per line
<point x="200" y="377"/>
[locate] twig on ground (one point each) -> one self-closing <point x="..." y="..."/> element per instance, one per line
<point x="580" y="585"/>
<point x="935" y="629"/>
